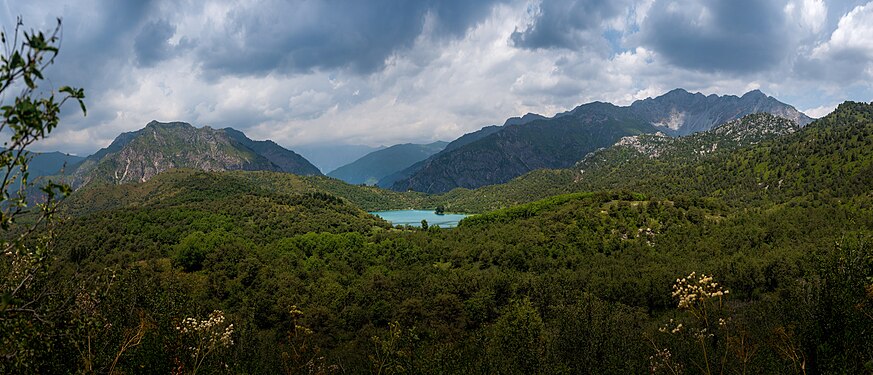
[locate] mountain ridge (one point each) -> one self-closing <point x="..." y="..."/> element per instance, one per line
<point x="139" y="155"/>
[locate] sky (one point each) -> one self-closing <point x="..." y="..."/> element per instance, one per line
<point x="381" y="72"/>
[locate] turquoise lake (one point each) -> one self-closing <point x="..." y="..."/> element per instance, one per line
<point x="414" y="218"/>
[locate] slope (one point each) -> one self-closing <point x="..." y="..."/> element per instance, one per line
<point x="832" y="157"/>
<point x="287" y="160"/>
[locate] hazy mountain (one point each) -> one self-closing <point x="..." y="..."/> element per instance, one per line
<point x="46" y="164"/>
<point x="328" y="157"/>
<point x="502" y="153"/>
<point x="138" y="156"/>
<point x="49" y="163"/>
<point x="372" y="167"/>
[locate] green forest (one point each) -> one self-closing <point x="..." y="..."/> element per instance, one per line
<point x="757" y="259"/>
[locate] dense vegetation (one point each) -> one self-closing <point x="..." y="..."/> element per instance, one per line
<point x="752" y="260"/>
<point x="587" y="282"/>
<point x="519" y="290"/>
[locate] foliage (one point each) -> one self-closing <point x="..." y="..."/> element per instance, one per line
<point x="25" y="318"/>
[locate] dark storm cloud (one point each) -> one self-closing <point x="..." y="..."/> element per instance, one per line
<point x="304" y="36"/>
<point x="567" y="24"/>
<point x="254" y="39"/>
<point x="152" y="45"/>
<point x="738" y="36"/>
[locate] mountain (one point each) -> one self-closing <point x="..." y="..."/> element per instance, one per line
<point x="729" y="137"/>
<point x="679" y="112"/>
<point x="372" y="167"/>
<point x="388" y="181"/>
<point x="523" y="119"/>
<point x="503" y="153"/>
<point x="328" y="156"/>
<point x="622" y="164"/>
<point x="830" y="157"/>
<point x="45" y="164"/>
<point x="49" y="163"/>
<point x="759" y="158"/>
<point x="514" y="150"/>
<point x="138" y="156"/>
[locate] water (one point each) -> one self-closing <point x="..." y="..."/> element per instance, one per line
<point x="414" y="218"/>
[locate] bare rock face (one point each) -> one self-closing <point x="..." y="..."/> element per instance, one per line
<point x="138" y="156"/>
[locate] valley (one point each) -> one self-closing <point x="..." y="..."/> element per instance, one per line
<point x="560" y="259"/>
<point x="436" y="187"/>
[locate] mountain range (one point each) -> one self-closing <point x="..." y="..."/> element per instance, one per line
<point x="532" y="142"/>
<point x="492" y="155"/>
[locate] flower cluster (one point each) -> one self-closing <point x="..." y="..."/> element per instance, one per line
<point x="662" y="361"/>
<point x="211" y="330"/>
<point x="676" y="328"/>
<point x="693" y="290"/>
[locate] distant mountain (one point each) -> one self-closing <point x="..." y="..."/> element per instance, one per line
<point x="45" y="164"/>
<point x="374" y="166"/>
<point x="140" y="155"/>
<point x="679" y="112"/>
<point x="387" y="182"/>
<point x="328" y="157"/>
<point x="502" y="153"/>
<point x="50" y="163"/>
<point x="514" y="150"/>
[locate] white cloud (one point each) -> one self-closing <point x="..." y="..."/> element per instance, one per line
<point x="820" y="111"/>
<point x="853" y="35"/>
<point x="811" y="15"/>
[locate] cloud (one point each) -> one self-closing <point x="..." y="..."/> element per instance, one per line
<point x="820" y="111"/>
<point x="152" y="44"/>
<point x="385" y="72"/>
<point x="811" y="14"/>
<point x="570" y="24"/>
<point x="845" y="57"/>
<point x="301" y="37"/>
<point x="738" y="36"/>
<point x="853" y="37"/>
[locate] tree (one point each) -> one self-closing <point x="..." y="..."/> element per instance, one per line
<point x="26" y="118"/>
